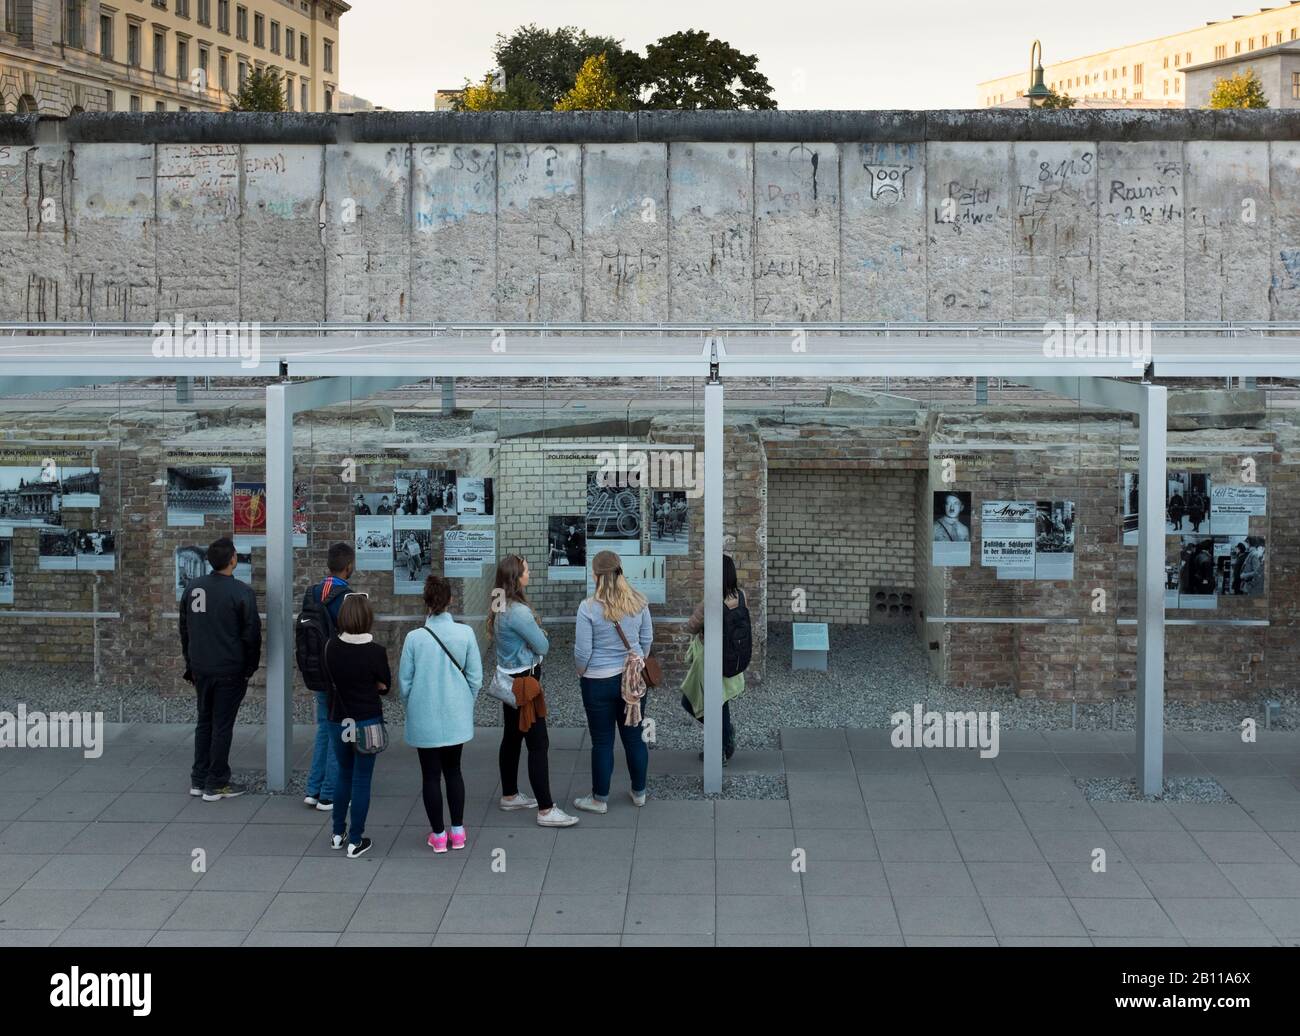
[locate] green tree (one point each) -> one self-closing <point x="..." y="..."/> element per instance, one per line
<point x="1242" y="90"/>
<point x="261" y="91"/>
<point x="543" y="64"/>
<point x="595" y="89"/>
<point x="519" y="95"/>
<point x="692" y="70"/>
<point x="1053" y="100"/>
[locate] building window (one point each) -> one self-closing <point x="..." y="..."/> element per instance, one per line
<point x="288" y="92"/>
<point x="1293" y="33"/>
<point x="241" y="23"/>
<point x="1137" y="75"/>
<point x="275" y="37"/>
<point x="223" y="72"/>
<point x="243" y="73"/>
<point x="11" y="17"/>
<point x="182" y="58"/>
<point x="1220" y="52"/>
<point x="106" y="37"/>
<point x="329" y="100"/>
<point x="1236" y="47"/>
<point x="1279" y="36"/>
<point x="135" y="102"/>
<point x="74" y="23"/>
<point x="302" y="51"/>
<point x="288" y="44"/>
<point x="183" y="8"/>
<point x="1166" y="61"/>
<point x="1178" y="86"/>
<point x="1187" y="58"/>
<point x="306" y="97"/>
<point x="133" y="57"/>
<point x="160" y="53"/>
<point x="1252" y="44"/>
<point x="1166" y="87"/>
<point x="1178" y="60"/>
<point x="205" y="12"/>
<point x="160" y="106"/>
<point x="259" y="30"/>
<point x="203" y="67"/>
<point x="223" y="16"/>
<point x="329" y="56"/>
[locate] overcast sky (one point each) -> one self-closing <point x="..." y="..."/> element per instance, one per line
<point x="815" y="53"/>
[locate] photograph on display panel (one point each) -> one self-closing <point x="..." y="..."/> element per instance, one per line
<point x="1187" y="504"/>
<point x="669" y="522"/>
<point x="1130" y="493"/>
<point x="951" y="529"/>
<point x="1240" y="564"/>
<point x="193" y="493"/>
<point x="373" y="505"/>
<point x="1196" y="573"/>
<point x="30" y="496"/>
<point x="1054" y="541"/>
<point x="374" y="543"/>
<point x="85" y="550"/>
<point x="567" y="548"/>
<point x="474" y="501"/>
<point x="614" y="511"/>
<point x="249" y="506"/>
<point x="412" y="555"/>
<point x="466" y="550"/>
<point x="1007" y="533"/>
<point x="6" y="570"/>
<point x="423" y="491"/>
<point x="56" y="550"/>
<point x="79" y="486"/>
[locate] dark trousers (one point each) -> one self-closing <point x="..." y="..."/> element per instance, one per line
<point x="352" y="787"/>
<point x="728" y="731"/>
<point x="538" y="742"/>
<point x="603" y="701"/>
<point x="219" y="698"/>
<point x="442" y="766"/>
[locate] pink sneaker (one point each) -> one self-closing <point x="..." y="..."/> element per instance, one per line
<point x="438" y="843"/>
<point x="458" y="840"/>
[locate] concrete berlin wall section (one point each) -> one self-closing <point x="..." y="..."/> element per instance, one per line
<point x="678" y="217"/>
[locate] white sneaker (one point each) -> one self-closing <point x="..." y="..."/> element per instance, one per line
<point x="591" y="804"/>
<point x="555" y="817"/>
<point x="337" y="841"/>
<point x="637" y="799"/>
<point x="518" y="801"/>
<point x="325" y="806"/>
<point x="310" y="800"/>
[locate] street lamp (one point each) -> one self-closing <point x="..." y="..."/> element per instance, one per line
<point x="1037" y="89"/>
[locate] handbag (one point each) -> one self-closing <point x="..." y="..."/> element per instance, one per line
<point x="651" y="669"/>
<point x="372" y="735"/>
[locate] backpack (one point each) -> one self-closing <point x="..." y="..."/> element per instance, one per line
<point x="737" y="639"/>
<point x="312" y="630"/>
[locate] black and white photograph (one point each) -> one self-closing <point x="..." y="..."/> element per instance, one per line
<point x="6" y="570"/>
<point x="79" y="486"/>
<point x="465" y="551"/>
<point x="614" y="511"/>
<point x="193" y="493"/>
<point x="412" y="557"/>
<point x="670" y="531"/>
<point x="1196" y="573"/>
<point x="28" y="498"/>
<point x="567" y="548"/>
<point x="1187" y="504"/>
<point x="1130" y="494"/>
<point x="57" y="550"/>
<point x="374" y="504"/>
<point x="951" y="530"/>
<point x="191" y="563"/>
<point x="1239" y="561"/>
<point x="374" y="543"/>
<point x="96" y="550"/>
<point x="474" y="501"/>
<point x="1054" y="540"/>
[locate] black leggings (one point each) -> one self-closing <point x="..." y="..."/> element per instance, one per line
<point x="539" y="774"/>
<point x="439" y="765"/>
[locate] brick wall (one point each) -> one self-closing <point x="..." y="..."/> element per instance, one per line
<point x="836" y="534"/>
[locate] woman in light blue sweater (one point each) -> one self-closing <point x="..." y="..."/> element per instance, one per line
<point x="600" y="654"/>
<point x="439" y="678"/>
<point x="520" y="647"/>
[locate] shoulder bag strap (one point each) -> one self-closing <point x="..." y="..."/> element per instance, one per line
<point x="448" y="653"/>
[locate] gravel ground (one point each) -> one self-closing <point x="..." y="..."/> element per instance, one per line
<point x="875" y="671"/>
<point x="1176" y="789"/>
<point x="738" y="786"/>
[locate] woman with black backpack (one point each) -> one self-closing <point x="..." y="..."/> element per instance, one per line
<point x="737" y="639"/>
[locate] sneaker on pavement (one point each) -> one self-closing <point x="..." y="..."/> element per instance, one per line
<point x="457" y="840"/>
<point x="592" y="804"/>
<point x="338" y="841"/>
<point x="310" y="800"/>
<point x="356" y="849"/>
<point x="227" y="791"/>
<point x="518" y="801"/>
<point x="438" y="843"/>
<point x="638" y="798"/>
<point x="196" y="792"/>
<point x="325" y="805"/>
<point x="555" y="817"/>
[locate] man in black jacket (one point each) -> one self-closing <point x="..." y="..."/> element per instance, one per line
<point x="221" y="638"/>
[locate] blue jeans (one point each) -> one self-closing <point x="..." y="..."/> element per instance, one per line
<point x="603" y="701"/>
<point x="355" y="770"/>
<point x="324" y="766"/>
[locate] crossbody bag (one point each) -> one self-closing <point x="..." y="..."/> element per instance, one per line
<point x="372" y="735"/>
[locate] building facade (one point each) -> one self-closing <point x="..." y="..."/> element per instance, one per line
<point x="1277" y="68"/>
<point x="1152" y="74"/>
<point x="59" y="57"/>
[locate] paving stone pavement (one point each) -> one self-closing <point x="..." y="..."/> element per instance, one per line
<point x="876" y="846"/>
